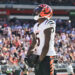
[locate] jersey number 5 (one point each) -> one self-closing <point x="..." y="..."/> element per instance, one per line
<point x="37" y="40"/>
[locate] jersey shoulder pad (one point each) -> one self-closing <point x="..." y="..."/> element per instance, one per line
<point x="50" y="22"/>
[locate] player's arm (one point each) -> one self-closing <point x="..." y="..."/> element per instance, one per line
<point x="32" y="45"/>
<point x="45" y="49"/>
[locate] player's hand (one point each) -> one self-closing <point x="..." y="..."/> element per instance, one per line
<point x="31" y="60"/>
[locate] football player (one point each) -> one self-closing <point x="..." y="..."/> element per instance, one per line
<point x="43" y="40"/>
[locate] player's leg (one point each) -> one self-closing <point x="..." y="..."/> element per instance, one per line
<point x="44" y="67"/>
<point x="39" y="70"/>
<point x="51" y="65"/>
<point x="47" y="67"/>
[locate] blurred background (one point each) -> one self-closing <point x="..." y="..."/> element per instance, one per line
<point x="16" y="27"/>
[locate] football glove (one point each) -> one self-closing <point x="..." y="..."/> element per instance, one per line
<point x="31" y="60"/>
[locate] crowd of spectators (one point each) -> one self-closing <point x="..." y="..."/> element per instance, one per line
<point x="15" y="39"/>
<point x="51" y="2"/>
<point x="65" y="42"/>
<point x="14" y="42"/>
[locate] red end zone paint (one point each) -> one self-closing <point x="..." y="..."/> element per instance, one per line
<point x="63" y="74"/>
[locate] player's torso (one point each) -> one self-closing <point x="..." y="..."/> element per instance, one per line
<point x="40" y="37"/>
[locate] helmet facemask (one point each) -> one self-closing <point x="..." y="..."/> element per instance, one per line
<point x="37" y="13"/>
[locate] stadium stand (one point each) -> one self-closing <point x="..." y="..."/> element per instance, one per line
<point x="15" y="38"/>
<point x="52" y="2"/>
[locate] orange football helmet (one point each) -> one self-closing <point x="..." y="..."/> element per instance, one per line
<point x="43" y="11"/>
